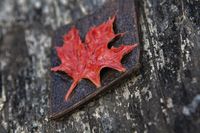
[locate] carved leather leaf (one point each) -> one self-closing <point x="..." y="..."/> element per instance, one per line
<point x="84" y="60"/>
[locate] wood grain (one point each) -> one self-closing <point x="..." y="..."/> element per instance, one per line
<point x="164" y="97"/>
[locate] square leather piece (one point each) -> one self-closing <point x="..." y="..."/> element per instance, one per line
<point x="126" y="21"/>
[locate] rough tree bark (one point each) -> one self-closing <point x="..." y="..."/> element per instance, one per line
<point x="164" y="97"/>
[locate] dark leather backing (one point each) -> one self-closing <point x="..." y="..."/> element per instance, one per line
<point x="126" y="21"/>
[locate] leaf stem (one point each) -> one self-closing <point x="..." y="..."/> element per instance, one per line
<point x="73" y="85"/>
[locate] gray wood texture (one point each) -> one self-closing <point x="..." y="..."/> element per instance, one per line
<point x="163" y="98"/>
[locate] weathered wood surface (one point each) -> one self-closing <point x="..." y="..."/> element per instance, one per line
<point x="165" y="96"/>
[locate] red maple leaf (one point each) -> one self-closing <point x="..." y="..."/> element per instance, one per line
<point x="85" y="60"/>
